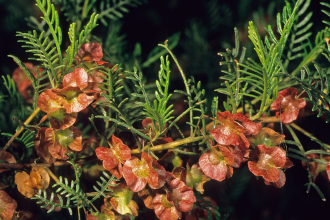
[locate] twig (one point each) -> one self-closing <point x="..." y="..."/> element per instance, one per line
<point x="269" y="119"/>
<point x="135" y="151"/>
<point x="172" y="144"/>
<point x="94" y="207"/>
<point x="92" y="194"/>
<point x="52" y="175"/>
<point x="307" y="133"/>
<point x="85" y="211"/>
<point x="79" y="218"/>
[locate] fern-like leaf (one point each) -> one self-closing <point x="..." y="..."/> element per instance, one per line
<point x="44" y="201"/>
<point x="26" y="140"/>
<point x="198" y="101"/>
<point x="115" y="9"/>
<point x="113" y="86"/>
<point x="52" y="20"/>
<point x="15" y="96"/>
<point x="326" y="12"/>
<point x="233" y="75"/>
<point x="72" y="8"/>
<point x="317" y="86"/>
<point x="159" y="112"/>
<point x="327" y="29"/>
<point x="72" y="192"/>
<point x="302" y="155"/>
<point x="35" y="24"/>
<point x="288" y="17"/>
<point x="103" y="186"/>
<point x="76" y="43"/>
<point x="264" y="76"/>
<point x="299" y="42"/>
<point x="25" y="69"/>
<point x="44" y="50"/>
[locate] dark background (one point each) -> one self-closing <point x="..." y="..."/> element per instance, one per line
<point x="206" y="28"/>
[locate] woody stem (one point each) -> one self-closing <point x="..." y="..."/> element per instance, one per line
<point x="173" y="144"/>
<point x="51" y="174"/>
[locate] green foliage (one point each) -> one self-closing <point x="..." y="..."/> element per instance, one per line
<point x="124" y="110"/>
<point x="106" y="182"/>
<point x="159" y="52"/>
<point x="162" y="111"/>
<point x="215" y="106"/>
<point x="44" y="51"/>
<point x="326" y="32"/>
<point x="44" y="201"/>
<point x="317" y="86"/>
<point x="113" y="84"/>
<point x="115" y="8"/>
<point x="234" y="91"/>
<point x="72" y="8"/>
<point x="113" y="43"/>
<point x="72" y="192"/>
<point x="303" y="42"/>
<point x="326" y="12"/>
<point x="321" y="143"/>
<point x="211" y="210"/>
<point x="197" y="100"/>
<point x="326" y="50"/>
<point x="218" y="14"/>
<point x="302" y="155"/>
<point x="288" y="18"/>
<point x="128" y="127"/>
<point x="2" y="98"/>
<point x="76" y="167"/>
<point x="76" y="43"/>
<point x="48" y="51"/>
<point x="264" y="76"/>
<point x="26" y="140"/>
<point x="124" y="107"/>
<point x="25" y="69"/>
<point x="15" y="96"/>
<point x="36" y="82"/>
<point x="77" y="10"/>
<point x="75" y="196"/>
<point x="34" y="24"/>
<point x="197" y="50"/>
<point x="214" y="109"/>
<point x="52" y="20"/>
<point x="299" y="41"/>
<point x="158" y="112"/>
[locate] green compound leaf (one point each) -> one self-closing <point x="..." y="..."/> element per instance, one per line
<point x="317" y="87"/>
<point x="103" y="186"/>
